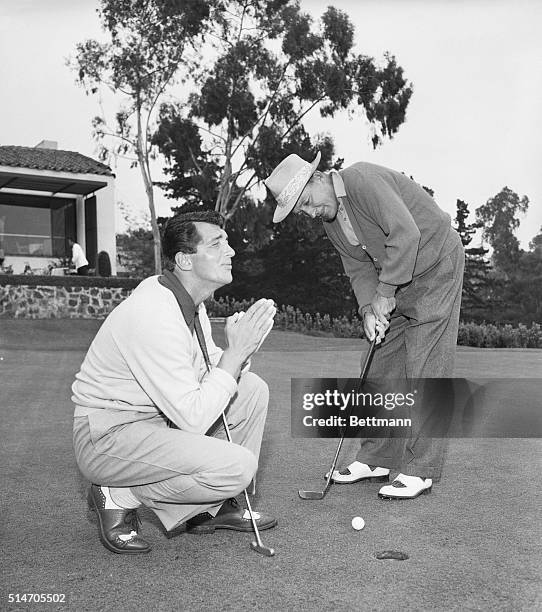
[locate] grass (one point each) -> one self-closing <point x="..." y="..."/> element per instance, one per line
<point x="473" y="543"/>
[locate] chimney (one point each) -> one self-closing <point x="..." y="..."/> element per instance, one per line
<point x="47" y="144"/>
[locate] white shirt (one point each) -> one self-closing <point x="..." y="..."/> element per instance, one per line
<point x="78" y="256"/>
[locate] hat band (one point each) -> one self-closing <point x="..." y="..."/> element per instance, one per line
<point x="299" y="180"/>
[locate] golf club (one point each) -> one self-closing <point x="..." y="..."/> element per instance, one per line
<point x="329" y="480"/>
<point x="257" y="545"/>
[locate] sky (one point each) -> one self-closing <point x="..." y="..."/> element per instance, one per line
<point x="472" y="127"/>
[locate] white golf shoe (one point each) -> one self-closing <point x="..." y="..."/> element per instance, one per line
<point x="406" y="487"/>
<point x="360" y="471"/>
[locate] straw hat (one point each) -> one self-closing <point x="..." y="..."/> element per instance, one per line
<point x="287" y="181"/>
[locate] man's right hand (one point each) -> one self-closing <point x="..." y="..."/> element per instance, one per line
<point x="244" y="334"/>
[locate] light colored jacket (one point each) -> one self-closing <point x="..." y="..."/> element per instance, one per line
<point x="145" y="360"/>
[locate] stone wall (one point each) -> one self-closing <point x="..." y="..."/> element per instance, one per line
<point x="58" y="302"/>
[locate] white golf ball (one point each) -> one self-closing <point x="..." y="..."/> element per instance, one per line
<point x="358" y="523"/>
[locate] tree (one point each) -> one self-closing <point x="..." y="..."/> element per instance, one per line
<point x="298" y="266"/>
<point x="430" y="191"/>
<point x="536" y="243"/>
<point x="499" y="221"/>
<point x="475" y="300"/>
<point x="135" y="251"/>
<point x="147" y="44"/>
<point x="270" y="67"/>
<point x="522" y="293"/>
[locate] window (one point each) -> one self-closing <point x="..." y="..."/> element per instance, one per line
<point x="36" y="226"/>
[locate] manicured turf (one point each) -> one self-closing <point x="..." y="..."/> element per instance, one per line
<point x="473" y="543"/>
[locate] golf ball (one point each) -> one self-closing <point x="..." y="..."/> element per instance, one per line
<point x="358" y="523"/>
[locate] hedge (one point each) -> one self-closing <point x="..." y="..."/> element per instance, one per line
<point x="488" y="335"/>
<point x="484" y="335"/>
<point x="33" y="280"/>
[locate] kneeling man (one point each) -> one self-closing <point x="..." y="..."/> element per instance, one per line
<point x="151" y="391"/>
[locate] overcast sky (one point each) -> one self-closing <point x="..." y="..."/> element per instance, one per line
<point x="474" y="123"/>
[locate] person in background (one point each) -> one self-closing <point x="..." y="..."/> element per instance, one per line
<point x="78" y="258"/>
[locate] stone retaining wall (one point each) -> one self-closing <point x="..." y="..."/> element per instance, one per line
<point x="58" y="302"/>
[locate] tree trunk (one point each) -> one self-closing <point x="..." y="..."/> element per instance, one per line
<point x="224" y="190"/>
<point x="143" y="159"/>
<point x="154" y="225"/>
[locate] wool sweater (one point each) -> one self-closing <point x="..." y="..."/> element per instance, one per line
<point x="402" y="232"/>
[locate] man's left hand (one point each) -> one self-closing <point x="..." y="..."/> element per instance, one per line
<point x="382" y="307"/>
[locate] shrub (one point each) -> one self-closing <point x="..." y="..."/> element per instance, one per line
<point x="226" y="306"/>
<point x="289" y="318"/>
<point x="103" y="264"/>
<point x="488" y="335"/>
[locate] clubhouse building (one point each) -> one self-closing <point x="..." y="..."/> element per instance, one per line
<point x="47" y="196"/>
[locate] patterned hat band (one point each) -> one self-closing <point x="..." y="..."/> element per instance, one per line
<point x="299" y="180"/>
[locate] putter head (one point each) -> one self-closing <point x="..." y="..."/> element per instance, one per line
<point x="311" y="494"/>
<point x="263" y="550"/>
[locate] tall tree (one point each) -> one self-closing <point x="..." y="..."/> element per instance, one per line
<point x="475" y="298"/>
<point x="536" y="243"/>
<point x="147" y="42"/>
<point x="522" y="293"/>
<point x="499" y="219"/>
<point x="271" y="66"/>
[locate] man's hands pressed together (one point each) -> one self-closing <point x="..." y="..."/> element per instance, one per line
<point x="245" y="332"/>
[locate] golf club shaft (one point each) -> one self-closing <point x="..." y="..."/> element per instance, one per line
<point x="367" y="362"/>
<point x="362" y="378"/>
<point x="329" y="480"/>
<point x="249" y="506"/>
<point x="254" y="525"/>
<point x="259" y="546"/>
<point x="335" y="459"/>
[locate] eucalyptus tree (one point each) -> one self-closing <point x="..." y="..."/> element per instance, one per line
<point x="267" y="67"/>
<point x="148" y="43"/>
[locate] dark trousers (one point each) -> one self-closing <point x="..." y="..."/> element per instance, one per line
<point x="420" y="343"/>
<point x="82" y="271"/>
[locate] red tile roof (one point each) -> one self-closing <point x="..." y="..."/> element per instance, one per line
<point x="51" y="159"/>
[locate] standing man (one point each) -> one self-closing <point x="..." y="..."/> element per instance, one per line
<point x="78" y="258"/>
<point x="405" y="264"/>
<point x="147" y="426"/>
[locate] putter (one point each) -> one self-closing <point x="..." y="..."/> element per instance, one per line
<point x="329" y="480"/>
<point x="257" y="545"/>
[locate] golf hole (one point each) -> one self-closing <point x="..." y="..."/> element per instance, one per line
<point x="391" y="554"/>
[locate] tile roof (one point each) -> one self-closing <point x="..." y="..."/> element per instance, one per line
<point x="51" y="159"/>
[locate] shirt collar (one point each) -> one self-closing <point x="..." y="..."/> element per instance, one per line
<point x="338" y="184"/>
<point x="188" y="308"/>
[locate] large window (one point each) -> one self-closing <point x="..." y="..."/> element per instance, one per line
<point x="36" y="226"/>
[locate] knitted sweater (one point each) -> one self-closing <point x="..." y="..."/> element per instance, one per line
<point x="402" y="232"/>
